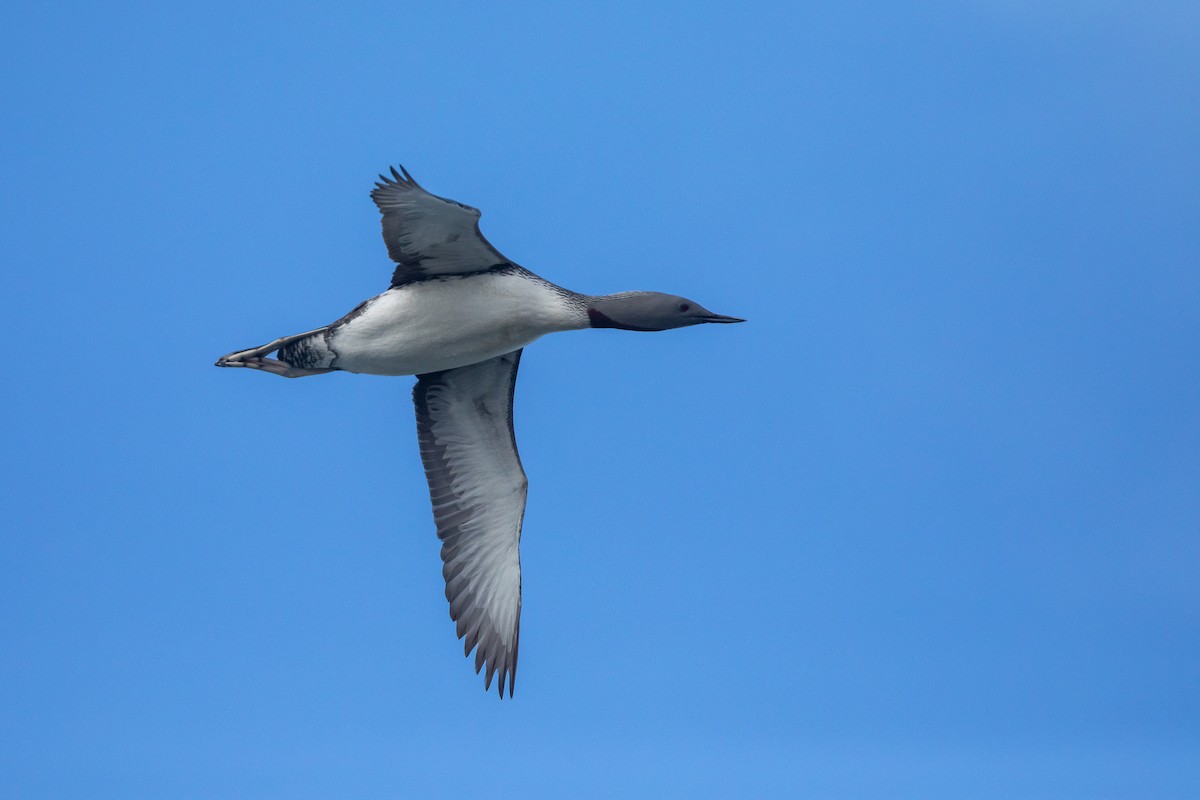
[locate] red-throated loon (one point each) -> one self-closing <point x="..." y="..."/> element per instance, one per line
<point x="457" y="315"/>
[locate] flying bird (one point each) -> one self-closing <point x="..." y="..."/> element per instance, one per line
<point x="457" y="315"/>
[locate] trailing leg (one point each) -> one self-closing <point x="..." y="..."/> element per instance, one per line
<point x="256" y="358"/>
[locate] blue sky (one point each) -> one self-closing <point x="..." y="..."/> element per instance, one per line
<point x="927" y="525"/>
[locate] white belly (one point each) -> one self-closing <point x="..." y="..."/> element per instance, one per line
<point x="442" y="324"/>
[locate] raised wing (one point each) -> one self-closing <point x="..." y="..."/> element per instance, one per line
<point x="477" y="485"/>
<point x="429" y="235"/>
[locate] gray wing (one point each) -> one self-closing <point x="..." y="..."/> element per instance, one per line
<point x="429" y="235"/>
<point x="477" y="485"/>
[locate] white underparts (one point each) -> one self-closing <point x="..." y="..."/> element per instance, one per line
<point x="441" y="324"/>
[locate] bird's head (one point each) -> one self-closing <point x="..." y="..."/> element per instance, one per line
<point x="649" y="311"/>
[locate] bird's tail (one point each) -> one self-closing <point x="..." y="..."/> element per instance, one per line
<point x="308" y="350"/>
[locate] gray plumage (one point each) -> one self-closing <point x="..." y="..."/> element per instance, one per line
<point x="478" y="489"/>
<point x="429" y="235"/>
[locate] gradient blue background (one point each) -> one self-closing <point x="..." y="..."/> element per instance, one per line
<point x="928" y="525"/>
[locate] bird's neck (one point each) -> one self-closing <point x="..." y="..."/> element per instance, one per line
<point x="598" y="311"/>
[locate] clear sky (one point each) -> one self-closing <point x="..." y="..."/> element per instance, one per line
<point x="928" y="525"/>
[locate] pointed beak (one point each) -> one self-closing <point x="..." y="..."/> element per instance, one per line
<point x="720" y="318"/>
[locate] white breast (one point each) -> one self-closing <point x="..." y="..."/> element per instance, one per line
<point x="442" y="324"/>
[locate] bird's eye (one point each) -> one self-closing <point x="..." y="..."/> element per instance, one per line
<point x="684" y="307"/>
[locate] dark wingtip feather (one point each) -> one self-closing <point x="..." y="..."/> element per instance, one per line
<point x="401" y="178"/>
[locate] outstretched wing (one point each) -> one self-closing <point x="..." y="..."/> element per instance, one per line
<point x="477" y="485"/>
<point x="429" y="235"/>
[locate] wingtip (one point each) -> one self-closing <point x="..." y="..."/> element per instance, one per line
<point x="398" y="178"/>
<point x="509" y="675"/>
<point x="502" y="675"/>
